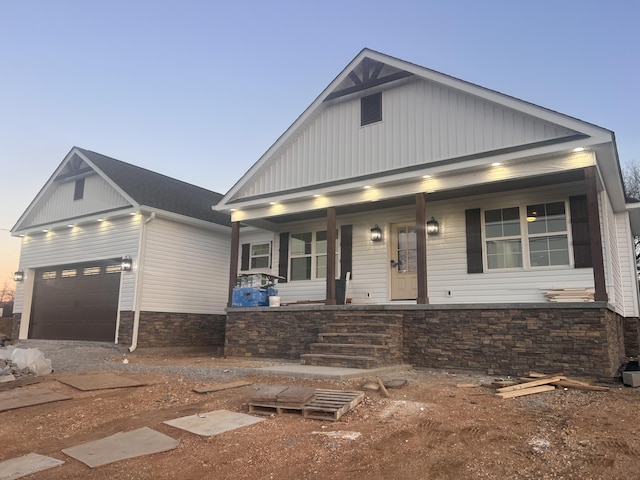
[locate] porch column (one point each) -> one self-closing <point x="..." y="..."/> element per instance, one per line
<point x="593" y="212"/>
<point x="421" y="248"/>
<point x="233" y="266"/>
<point x="331" y="256"/>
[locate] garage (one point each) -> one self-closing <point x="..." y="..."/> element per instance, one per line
<point x="76" y="302"/>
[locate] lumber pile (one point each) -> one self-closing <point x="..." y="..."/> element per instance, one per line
<point x="539" y="382"/>
<point x="576" y="294"/>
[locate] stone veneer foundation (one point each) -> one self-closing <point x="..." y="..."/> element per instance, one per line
<point x="164" y="329"/>
<point x="577" y="339"/>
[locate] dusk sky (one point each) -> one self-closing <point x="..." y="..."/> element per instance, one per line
<point x="199" y="90"/>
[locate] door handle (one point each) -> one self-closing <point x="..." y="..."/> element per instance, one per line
<point x="395" y="264"/>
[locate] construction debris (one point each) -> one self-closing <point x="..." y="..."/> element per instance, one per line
<point x="221" y="386"/>
<point x="576" y="294"/>
<point x="537" y="382"/>
<point x="321" y="405"/>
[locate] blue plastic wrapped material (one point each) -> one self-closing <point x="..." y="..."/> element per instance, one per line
<point x="252" y="297"/>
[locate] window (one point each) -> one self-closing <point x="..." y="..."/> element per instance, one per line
<point x="78" y="191"/>
<point x="547" y="229"/>
<point x="261" y="255"/>
<point x="371" y="109"/>
<point x="543" y="242"/>
<point x="308" y="254"/>
<point x="504" y="245"/>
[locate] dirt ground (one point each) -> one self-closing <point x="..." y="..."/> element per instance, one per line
<point x="428" y="429"/>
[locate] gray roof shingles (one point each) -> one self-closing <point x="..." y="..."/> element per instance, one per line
<point x="155" y="190"/>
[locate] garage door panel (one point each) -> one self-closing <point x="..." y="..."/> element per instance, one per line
<point x="76" y="302"/>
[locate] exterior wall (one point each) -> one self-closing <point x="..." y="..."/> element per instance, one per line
<point x="446" y="255"/>
<point x="99" y="196"/>
<point x="628" y="272"/>
<point x="166" y="329"/>
<point x="185" y="269"/>
<point x="506" y="340"/>
<point x="432" y="122"/>
<point x="94" y="241"/>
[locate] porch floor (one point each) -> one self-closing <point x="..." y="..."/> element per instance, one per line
<point x="330" y="373"/>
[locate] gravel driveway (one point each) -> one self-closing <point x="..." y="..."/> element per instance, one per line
<point x="77" y="357"/>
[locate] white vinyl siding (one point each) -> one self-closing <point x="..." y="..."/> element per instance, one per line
<point x="58" y="204"/>
<point x="95" y="241"/>
<point x="429" y="122"/>
<point x="185" y="269"/>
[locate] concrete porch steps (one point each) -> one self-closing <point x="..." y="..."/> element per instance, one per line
<point x="357" y="343"/>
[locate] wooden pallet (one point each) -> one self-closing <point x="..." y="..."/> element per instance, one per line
<point x="325" y="405"/>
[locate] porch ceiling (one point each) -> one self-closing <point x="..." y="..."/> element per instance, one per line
<point x="272" y="222"/>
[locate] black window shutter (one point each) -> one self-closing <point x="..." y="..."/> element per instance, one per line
<point x="346" y="248"/>
<point x="283" y="262"/>
<point x="580" y="232"/>
<point x="244" y="263"/>
<point x="474" y="240"/>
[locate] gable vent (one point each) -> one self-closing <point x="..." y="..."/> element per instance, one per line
<point x="371" y="109"/>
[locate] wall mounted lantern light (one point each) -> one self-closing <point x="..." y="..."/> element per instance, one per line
<point x="433" y="227"/>
<point x="18" y="276"/>
<point x="376" y="233"/>
<point x="126" y="264"/>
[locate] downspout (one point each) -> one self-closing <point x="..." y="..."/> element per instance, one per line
<point x="136" y="292"/>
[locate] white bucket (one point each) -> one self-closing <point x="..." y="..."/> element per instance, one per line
<point x="274" y="301"/>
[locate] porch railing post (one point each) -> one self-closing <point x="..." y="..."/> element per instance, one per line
<point x="233" y="265"/>
<point x="331" y="256"/>
<point x="421" y="248"/>
<point x="593" y="213"/>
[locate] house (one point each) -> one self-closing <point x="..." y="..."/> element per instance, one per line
<point x="477" y="231"/>
<point x="112" y="252"/>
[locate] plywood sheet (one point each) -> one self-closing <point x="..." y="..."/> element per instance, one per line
<point x="26" y="465"/>
<point x="213" y="423"/>
<point x="26" y="397"/>
<point x="99" y="381"/>
<point x="122" y="445"/>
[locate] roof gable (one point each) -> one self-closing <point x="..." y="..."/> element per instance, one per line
<point x="111" y="185"/>
<point x="428" y="118"/>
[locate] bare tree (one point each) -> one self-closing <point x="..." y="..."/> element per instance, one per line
<point x="7" y="294"/>
<point x="631" y="179"/>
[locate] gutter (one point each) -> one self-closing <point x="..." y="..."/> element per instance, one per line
<point x="136" y="293"/>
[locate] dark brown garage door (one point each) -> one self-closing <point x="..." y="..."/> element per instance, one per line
<point x="76" y="302"/>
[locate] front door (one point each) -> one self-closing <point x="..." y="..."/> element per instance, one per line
<point x="404" y="262"/>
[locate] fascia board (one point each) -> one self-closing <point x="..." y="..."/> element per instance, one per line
<point x="176" y="217"/>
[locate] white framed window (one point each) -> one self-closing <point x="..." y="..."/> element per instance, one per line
<point x="260" y="255"/>
<point x="527" y="236"/>
<point x="308" y="255"/>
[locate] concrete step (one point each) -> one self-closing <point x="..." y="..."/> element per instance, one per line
<point x="358" y="338"/>
<point x="349" y="349"/>
<point x="343" y="361"/>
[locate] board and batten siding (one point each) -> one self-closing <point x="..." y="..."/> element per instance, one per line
<point x="185" y="269"/>
<point x="95" y="241"/>
<point x="98" y="196"/>
<point x="422" y="123"/>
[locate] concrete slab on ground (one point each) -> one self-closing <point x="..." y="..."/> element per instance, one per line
<point x="122" y="445"/>
<point x="26" y="465"/>
<point x="329" y="373"/>
<point x="26" y="397"/>
<point x="213" y="423"/>
<point x="98" y="381"/>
